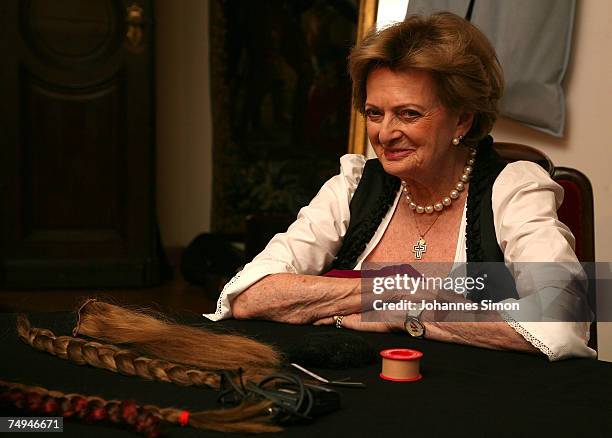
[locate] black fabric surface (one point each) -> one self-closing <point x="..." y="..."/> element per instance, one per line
<point x="465" y="391"/>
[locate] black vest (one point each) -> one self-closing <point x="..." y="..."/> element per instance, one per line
<point x="374" y="197"/>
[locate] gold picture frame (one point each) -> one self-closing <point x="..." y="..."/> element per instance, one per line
<point x="358" y="142"/>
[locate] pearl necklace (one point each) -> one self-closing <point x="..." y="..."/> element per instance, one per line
<point x="453" y="194"/>
<point x="420" y="246"/>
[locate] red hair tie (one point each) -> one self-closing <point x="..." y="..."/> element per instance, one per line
<point x="183" y="418"/>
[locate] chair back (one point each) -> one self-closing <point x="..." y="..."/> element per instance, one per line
<point x="576" y="211"/>
<point x="510" y="152"/>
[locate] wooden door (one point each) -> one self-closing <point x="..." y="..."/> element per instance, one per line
<point x="76" y="159"/>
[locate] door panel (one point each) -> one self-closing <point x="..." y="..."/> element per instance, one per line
<point x="77" y="154"/>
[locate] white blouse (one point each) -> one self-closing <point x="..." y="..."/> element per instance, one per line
<point x="524" y="200"/>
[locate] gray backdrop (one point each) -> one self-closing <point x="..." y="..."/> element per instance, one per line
<point x="532" y="39"/>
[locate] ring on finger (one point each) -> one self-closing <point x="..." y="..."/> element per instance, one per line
<point x="338" y="320"/>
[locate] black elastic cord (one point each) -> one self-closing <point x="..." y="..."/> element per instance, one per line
<point x="291" y="399"/>
<point x="231" y="393"/>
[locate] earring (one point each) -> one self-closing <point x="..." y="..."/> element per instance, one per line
<point x="457" y="140"/>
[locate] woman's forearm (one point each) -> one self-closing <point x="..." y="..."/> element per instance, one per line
<point x="298" y="299"/>
<point x="304" y="299"/>
<point x="481" y="328"/>
<point x="493" y="332"/>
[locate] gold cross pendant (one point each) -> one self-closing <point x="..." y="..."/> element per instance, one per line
<point x="419" y="249"/>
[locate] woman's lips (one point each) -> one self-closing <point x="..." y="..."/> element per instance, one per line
<point x="396" y="154"/>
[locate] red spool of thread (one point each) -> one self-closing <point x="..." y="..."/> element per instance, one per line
<point x="401" y="365"/>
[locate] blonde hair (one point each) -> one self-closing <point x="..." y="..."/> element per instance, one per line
<point x="178" y="343"/>
<point x="461" y="59"/>
<point x="113" y="358"/>
<point x="155" y="348"/>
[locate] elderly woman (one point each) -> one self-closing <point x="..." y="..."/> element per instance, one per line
<point x="437" y="192"/>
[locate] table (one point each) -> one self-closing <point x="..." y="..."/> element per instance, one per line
<point x="465" y="391"/>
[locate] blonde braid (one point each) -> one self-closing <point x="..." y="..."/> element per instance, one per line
<point x="112" y="358"/>
<point x="159" y="337"/>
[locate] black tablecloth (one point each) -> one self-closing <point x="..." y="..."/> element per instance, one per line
<point x="465" y="391"/>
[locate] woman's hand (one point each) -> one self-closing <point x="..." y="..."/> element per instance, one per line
<point x="356" y="321"/>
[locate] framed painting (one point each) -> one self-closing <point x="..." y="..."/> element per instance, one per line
<point x="281" y="100"/>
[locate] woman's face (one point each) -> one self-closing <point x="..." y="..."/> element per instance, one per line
<point x="409" y="129"/>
